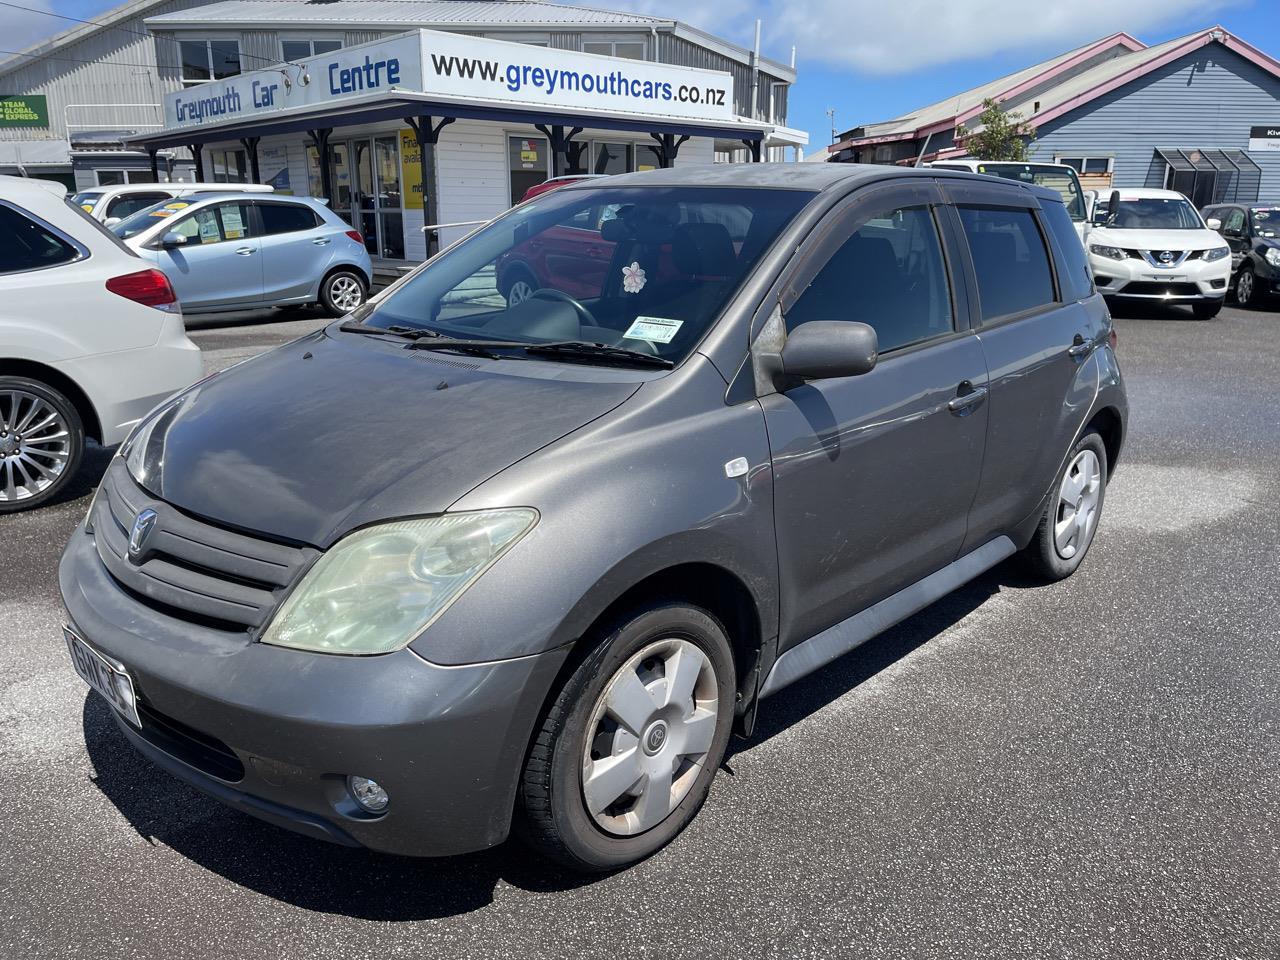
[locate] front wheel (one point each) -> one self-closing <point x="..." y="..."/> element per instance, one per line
<point x="1206" y="311"/>
<point x="628" y="750"/>
<point x="1246" y="289"/>
<point x="341" y="292"/>
<point x="41" y="443"/>
<point x="1070" y="521"/>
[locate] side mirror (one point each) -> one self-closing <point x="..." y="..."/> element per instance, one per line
<point x="172" y="240"/>
<point x="825" y="349"/>
<point x="110" y="221"/>
<point x="1213" y="223"/>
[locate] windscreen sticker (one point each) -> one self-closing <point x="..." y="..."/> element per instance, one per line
<point x="633" y="278"/>
<point x="87" y="207"/>
<point x="208" y="228"/>
<point x="232" y="225"/>
<point x="654" y="329"/>
<point x="168" y="210"/>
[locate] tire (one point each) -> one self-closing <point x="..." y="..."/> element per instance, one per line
<point x="518" y="285"/>
<point x="1246" y="287"/>
<point x="41" y="443"/>
<point x="342" y="291"/>
<point x="1206" y="311"/>
<point x="584" y="752"/>
<point x="1052" y="556"/>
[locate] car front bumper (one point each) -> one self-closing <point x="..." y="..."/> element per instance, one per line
<point x="1188" y="282"/>
<point x="275" y="732"/>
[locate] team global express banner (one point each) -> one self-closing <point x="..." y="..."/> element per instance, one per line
<point x="23" y="111"/>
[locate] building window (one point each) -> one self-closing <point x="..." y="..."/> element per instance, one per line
<point x="611" y="158"/>
<point x="204" y="60"/>
<point x="626" y="49"/>
<point x="115" y="178"/>
<point x="294" y="50"/>
<point x="1087" y="165"/>
<point x="229" y="166"/>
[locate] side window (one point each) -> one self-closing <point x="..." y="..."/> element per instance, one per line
<point x="1009" y="258"/>
<point x="889" y="274"/>
<point x="286" y="218"/>
<point x="199" y="227"/>
<point x="131" y="203"/>
<point x="1234" y="222"/>
<point x="28" y="245"/>
<point x="235" y="220"/>
<point x="1076" y="280"/>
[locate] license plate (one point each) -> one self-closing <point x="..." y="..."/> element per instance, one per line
<point x="115" y="686"/>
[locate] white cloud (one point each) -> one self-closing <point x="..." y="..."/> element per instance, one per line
<point x="896" y="36"/>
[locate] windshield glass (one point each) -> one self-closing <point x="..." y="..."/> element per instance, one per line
<point x="1266" y="221"/>
<point x="135" y="223"/>
<point x="86" y="199"/>
<point x="643" y="268"/>
<point x="1061" y="179"/>
<point x="1152" y="213"/>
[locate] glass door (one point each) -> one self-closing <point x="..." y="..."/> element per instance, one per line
<point x="341" y="180"/>
<point x="386" y="153"/>
<point x="366" y="194"/>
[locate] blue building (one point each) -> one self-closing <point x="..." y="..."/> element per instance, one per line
<point x="1199" y="114"/>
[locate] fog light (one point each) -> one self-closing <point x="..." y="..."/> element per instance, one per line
<point x="368" y="794"/>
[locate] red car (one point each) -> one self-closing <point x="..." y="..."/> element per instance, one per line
<point x="555" y="183"/>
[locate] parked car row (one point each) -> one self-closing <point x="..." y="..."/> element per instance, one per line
<point x="112" y="204"/>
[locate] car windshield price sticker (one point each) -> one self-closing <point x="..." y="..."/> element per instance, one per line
<point x="654" y="329"/>
<point x="231" y="223"/>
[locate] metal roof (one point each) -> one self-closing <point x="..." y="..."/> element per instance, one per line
<point x="418" y="13"/>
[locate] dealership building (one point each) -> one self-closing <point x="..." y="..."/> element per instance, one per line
<point x="1199" y="114"/>
<point x="403" y="113"/>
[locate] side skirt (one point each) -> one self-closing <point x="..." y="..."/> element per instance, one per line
<point x="834" y="642"/>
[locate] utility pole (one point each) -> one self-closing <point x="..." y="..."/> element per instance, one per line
<point x="831" y="115"/>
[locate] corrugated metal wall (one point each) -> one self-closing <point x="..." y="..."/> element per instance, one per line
<point x="1209" y="98"/>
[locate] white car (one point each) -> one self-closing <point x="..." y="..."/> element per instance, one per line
<point x="1153" y="245"/>
<point x="110" y="205"/>
<point x="91" y="338"/>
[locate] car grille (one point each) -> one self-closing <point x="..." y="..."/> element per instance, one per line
<point x="188" y="568"/>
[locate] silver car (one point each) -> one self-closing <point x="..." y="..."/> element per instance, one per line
<point x="233" y="251"/>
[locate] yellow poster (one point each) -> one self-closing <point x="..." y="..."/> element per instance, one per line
<point x="411" y="170"/>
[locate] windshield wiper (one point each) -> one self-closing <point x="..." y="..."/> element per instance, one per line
<point x="395" y="330"/>
<point x="560" y="348"/>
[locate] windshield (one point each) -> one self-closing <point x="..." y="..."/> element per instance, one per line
<point x="1150" y="213"/>
<point x="86" y="199"/>
<point x="135" y="223"/>
<point x="1061" y="179"/>
<point x="1266" y="221"/>
<point x="647" y="269"/>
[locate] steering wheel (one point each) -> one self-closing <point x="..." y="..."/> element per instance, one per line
<point x="550" y="293"/>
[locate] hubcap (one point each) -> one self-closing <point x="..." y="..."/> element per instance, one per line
<point x="520" y="291"/>
<point x="345" y="293"/>
<point x="35" y="445"/>
<point x="1244" y="287"/>
<point x="648" y="736"/>
<point x="1078" y="500"/>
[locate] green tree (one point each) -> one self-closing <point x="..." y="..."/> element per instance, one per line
<point x="1002" y="136"/>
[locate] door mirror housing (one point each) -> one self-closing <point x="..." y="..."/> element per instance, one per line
<point x="110" y="221"/>
<point x="826" y="349"/>
<point x="172" y="240"/>
<point x="1213" y="223"/>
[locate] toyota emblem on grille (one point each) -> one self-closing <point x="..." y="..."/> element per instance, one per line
<point x="1166" y="256"/>
<point x="143" y="524"/>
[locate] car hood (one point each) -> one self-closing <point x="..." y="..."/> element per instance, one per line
<point x="329" y="433"/>
<point x="1156" y="239"/>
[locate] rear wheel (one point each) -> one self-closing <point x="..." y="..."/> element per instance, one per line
<point x="1246" y="287"/>
<point x="41" y="443"/>
<point x="1070" y="521"/>
<point x="341" y="292"/>
<point x="1206" y="311"/>
<point x="628" y="750"/>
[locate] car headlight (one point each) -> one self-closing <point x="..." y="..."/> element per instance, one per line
<point x="378" y="588"/>
<point x="143" y="451"/>
<point x="1111" y="253"/>
<point x="1217" y="253"/>
<point x="1272" y="256"/>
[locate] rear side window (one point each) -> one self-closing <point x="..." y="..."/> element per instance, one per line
<point x="29" y="245"/>
<point x="1009" y="258"/>
<point x="1076" y="280"/>
<point x="286" y="217"/>
<point x="890" y="275"/>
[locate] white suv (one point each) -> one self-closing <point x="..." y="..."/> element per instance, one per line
<point x="110" y="205"/>
<point x="1153" y="245"/>
<point x="91" y="338"/>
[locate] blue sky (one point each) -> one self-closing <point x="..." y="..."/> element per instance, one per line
<point x="872" y="60"/>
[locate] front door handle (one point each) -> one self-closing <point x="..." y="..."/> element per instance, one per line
<point x="966" y="399"/>
<point x="320" y="241"/>
<point x="1079" y="346"/>
<point x="244" y="251"/>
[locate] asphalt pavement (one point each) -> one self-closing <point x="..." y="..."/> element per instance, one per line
<point x="1089" y="769"/>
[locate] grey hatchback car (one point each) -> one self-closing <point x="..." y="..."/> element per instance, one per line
<point x="456" y="565"/>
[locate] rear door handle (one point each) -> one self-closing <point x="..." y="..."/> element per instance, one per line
<point x="966" y="399"/>
<point x="1079" y="346"/>
<point x="244" y="251"/>
<point x="320" y="241"/>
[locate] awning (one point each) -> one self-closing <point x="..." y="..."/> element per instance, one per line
<point x="1237" y="176"/>
<point x="35" y="153"/>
